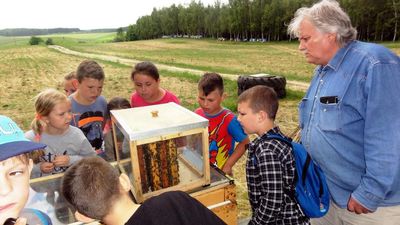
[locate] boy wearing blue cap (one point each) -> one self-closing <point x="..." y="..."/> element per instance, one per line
<point x="15" y="169"/>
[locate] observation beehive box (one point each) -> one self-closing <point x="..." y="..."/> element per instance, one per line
<point x="164" y="148"/>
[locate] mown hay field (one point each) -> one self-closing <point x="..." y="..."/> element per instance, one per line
<point x="208" y="55"/>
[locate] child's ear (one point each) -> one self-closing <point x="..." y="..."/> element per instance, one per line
<point x="75" y="83"/>
<point x="224" y="96"/>
<point x="124" y="182"/>
<point x="30" y="166"/>
<point x="82" y="218"/>
<point x="261" y="116"/>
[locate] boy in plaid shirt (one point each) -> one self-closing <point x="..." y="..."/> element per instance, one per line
<point x="270" y="167"/>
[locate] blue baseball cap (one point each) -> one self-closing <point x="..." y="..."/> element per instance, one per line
<point x="13" y="141"/>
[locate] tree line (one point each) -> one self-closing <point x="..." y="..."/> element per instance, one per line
<point x="265" y="20"/>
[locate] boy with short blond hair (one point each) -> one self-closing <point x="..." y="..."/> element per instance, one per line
<point x="15" y="169"/>
<point x="224" y="129"/>
<point x="106" y="197"/>
<point x="270" y="167"/>
<point x="89" y="108"/>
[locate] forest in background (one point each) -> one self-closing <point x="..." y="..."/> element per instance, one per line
<point x="261" y="20"/>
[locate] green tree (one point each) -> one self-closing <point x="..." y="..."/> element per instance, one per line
<point x="120" y="36"/>
<point x="49" y="41"/>
<point x="131" y="33"/>
<point x="35" y="40"/>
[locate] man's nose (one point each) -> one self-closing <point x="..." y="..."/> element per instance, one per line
<point x="301" y="46"/>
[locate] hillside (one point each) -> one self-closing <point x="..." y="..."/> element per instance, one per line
<point x="33" y="31"/>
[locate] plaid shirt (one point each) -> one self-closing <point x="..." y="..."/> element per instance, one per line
<point x="270" y="169"/>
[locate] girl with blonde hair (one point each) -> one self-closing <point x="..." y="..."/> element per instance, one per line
<point x="51" y="126"/>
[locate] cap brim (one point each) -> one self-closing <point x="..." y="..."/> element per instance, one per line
<point x="15" y="148"/>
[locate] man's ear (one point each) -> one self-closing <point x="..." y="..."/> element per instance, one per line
<point x="82" y="218"/>
<point x="332" y="37"/>
<point x="125" y="182"/>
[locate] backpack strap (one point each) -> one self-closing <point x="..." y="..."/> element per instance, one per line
<point x="287" y="141"/>
<point x="292" y="192"/>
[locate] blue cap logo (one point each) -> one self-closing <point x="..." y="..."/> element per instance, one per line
<point x="13" y="141"/>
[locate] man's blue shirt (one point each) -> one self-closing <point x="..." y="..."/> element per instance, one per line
<point x="350" y="120"/>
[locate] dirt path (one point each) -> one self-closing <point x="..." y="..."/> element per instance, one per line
<point x="294" y="85"/>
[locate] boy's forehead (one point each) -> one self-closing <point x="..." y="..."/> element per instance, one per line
<point x="243" y="105"/>
<point x="213" y="94"/>
<point x="91" y="80"/>
<point x="13" y="161"/>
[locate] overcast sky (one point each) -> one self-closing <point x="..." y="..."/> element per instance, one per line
<point x="83" y="14"/>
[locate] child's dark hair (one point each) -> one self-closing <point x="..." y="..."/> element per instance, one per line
<point x="91" y="186"/>
<point x="118" y="103"/>
<point x="146" y="68"/>
<point x="89" y="69"/>
<point x="261" y="98"/>
<point x="210" y="82"/>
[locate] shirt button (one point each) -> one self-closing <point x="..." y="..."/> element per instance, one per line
<point x="324" y="110"/>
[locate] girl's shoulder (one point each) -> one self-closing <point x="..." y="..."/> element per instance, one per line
<point x="74" y="131"/>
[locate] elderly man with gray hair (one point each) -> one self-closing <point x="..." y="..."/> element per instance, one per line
<point x="350" y="116"/>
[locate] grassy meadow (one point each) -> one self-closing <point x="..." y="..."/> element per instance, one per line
<point x="26" y="70"/>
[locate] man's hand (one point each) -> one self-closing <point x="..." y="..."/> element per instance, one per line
<point x="354" y="206"/>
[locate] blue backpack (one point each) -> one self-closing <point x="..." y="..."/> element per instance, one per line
<point x="311" y="191"/>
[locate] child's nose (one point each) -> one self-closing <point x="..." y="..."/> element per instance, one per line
<point x="5" y="187"/>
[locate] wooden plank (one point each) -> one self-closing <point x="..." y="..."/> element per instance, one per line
<point x="206" y="160"/>
<point x="220" y="196"/>
<point x="115" y="140"/>
<point x="137" y="187"/>
<point x="212" y="197"/>
<point x="228" y="213"/>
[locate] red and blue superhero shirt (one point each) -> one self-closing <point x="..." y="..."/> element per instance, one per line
<point x="223" y="131"/>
